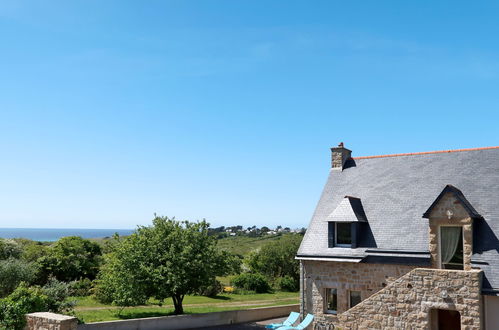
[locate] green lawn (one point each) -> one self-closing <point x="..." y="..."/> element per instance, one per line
<point x="89" y="310"/>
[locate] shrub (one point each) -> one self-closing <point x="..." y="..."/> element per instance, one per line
<point x="82" y="288"/>
<point x="212" y="289"/>
<point x="102" y="290"/>
<point x="71" y="258"/>
<point x="277" y="258"/>
<point x="13" y="272"/>
<point x="50" y="298"/>
<point x="254" y="282"/>
<point x="287" y="283"/>
<point x="9" y="249"/>
<point x="57" y="293"/>
<point x="20" y="302"/>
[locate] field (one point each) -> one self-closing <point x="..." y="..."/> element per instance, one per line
<point x="89" y="310"/>
<point x="243" y="245"/>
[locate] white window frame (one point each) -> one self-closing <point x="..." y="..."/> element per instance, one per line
<point x="336" y="235"/>
<point x="326" y="295"/>
<point x="350" y="297"/>
<point x="440" y="242"/>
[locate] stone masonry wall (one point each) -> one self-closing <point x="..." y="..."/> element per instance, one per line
<point x="407" y="302"/>
<point x="458" y="217"/>
<point x="344" y="276"/>
<point x="50" y="321"/>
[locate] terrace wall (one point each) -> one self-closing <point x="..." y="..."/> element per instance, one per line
<point x="407" y="303"/>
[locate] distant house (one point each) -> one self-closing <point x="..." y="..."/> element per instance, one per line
<point x="405" y="241"/>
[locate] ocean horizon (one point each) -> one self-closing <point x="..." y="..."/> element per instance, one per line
<point x="53" y="234"/>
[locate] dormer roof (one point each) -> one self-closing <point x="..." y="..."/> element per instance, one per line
<point x="348" y="210"/>
<point x="458" y="194"/>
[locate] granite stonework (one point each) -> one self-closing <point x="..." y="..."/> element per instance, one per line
<point x="339" y="156"/>
<point x="393" y="296"/>
<point x="50" y="321"/>
<point x="407" y="303"/>
<point x="449" y="212"/>
<point x="344" y="276"/>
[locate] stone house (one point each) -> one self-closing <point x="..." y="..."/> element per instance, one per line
<point x="405" y="241"/>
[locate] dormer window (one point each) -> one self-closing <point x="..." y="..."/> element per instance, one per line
<point x="451" y="217"/>
<point x="451" y="247"/>
<point x="343" y="234"/>
<point x="344" y="223"/>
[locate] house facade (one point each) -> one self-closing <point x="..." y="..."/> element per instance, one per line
<point x="405" y="242"/>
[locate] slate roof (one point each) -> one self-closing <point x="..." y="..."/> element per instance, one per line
<point x="348" y="210"/>
<point x="396" y="192"/>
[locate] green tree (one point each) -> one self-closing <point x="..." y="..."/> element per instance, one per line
<point x="168" y="259"/>
<point x="32" y="250"/>
<point x="9" y="249"/>
<point x="14" y="271"/>
<point x="277" y="259"/>
<point x="71" y="258"/>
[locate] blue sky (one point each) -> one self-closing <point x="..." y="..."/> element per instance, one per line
<point x="111" y="111"/>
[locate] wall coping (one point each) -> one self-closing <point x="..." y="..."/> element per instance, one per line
<point x="196" y="315"/>
<point x="51" y="316"/>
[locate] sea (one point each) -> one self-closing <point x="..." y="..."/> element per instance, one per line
<point x="53" y="234"/>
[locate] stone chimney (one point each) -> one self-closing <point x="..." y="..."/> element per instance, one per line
<point x="339" y="156"/>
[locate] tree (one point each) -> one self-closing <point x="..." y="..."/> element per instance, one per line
<point x="72" y="258"/>
<point x="32" y="250"/>
<point x="14" y="271"/>
<point x="277" y="259"/>
<point x="168" y="259"/>
<point x="9" y="249"/>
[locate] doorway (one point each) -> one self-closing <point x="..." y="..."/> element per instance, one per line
<point x="444" y="319"/>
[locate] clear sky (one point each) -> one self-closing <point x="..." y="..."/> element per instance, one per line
<point x="111" y="111"/>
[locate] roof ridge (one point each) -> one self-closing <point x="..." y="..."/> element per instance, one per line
<point x="425" y="153"/>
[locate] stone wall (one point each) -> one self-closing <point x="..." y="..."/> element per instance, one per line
<point x="407" y="302"/>
<point x="194" y="321"/>
<point x="458" y="217"/>
<point x="344" y="276"/>
<point x="50" y="321"/>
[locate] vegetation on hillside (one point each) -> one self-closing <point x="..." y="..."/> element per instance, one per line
<point x="170" y="259"/>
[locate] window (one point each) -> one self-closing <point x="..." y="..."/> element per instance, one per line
<point x="343" y="234"/>
<point x="331" y="301"/>
<point x="354" y="298"/>
<point x="451" y="247"/>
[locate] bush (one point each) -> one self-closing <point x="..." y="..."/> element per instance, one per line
<point x="13" y="272"/>
<point x="71" y="258"/>
<point x="254" y="282"/>
<point x="82" y="288"/>
<point x="212" y="289"/>
<point x="9" y="249"/>
<point x="50" y="298"/>
<point x="57" y="293"/>
<point x="22" y="301"/>
<point x="277" y="258"/>
<point x="287" y="283"/>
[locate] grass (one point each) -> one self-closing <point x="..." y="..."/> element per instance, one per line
<point x="89" y="310"/>
<point x="243" y="245"/>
